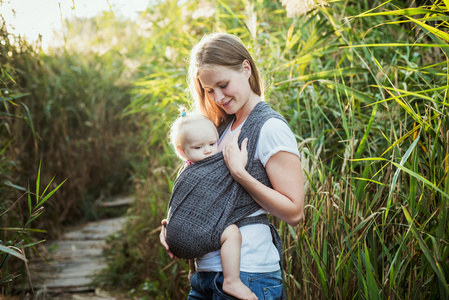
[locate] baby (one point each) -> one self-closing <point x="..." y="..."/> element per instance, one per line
<point x="195" y="138"/>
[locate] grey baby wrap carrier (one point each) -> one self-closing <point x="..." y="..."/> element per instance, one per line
<point x="206" y="199"/>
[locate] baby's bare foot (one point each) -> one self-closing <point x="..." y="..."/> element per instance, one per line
<point x="237" y="289"/>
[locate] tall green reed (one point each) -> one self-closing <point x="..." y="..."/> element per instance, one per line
<point x="63" y="107"/>
<point x="378" y="242"/>
<point x="75" y="93"/>
<point x="19" y="233"/>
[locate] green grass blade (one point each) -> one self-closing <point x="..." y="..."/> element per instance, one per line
<point x="426" y="251"/>
<point x="364" y="140"/>
<point x="23" y="229"/>
<point x="361" y="278"/>
<point x="9" y="183"/>
<point x="410" y="133"/>
<point x="30" y="206"/>
<point x="393" y="45"/>
<point x="49" y="195"/>
<point x="399" y="12"/>
<point x="34" y="244"/>
<point x="13" y="252"/>
<point x="34" y="216"/>
<point x="418" y="94"/>
<point x="7" y="145"/>
<point x="38" y="182"/>
<point x="446" y="2"/>
<point x="421" y="178"/>
<point x="320" y="269"/>
<point x="29" y="119"/>
<point x="350" y="91"/>
<point x="48" y="185"/>
<point x="370" y="280"/>
<point x="439" y="33"/>
<point x="396" y="174"/>
<point x="330" y="74"/>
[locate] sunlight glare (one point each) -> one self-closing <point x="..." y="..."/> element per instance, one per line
<point x="29" y="18"/>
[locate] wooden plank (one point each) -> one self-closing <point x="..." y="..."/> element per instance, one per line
<point x="73" y="261"/>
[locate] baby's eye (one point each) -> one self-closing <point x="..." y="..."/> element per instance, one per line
<point x="223" y="86"/>
<point x="212" y="144"/>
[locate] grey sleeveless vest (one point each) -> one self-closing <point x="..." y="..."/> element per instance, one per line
<point x="206" y="199"/>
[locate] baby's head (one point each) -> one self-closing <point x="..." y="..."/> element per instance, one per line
<point x="194" y="137"/>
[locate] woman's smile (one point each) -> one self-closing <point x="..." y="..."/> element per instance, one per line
<point x="226" y="104"/>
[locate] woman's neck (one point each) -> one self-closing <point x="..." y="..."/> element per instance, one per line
<point x="245" y="110"/>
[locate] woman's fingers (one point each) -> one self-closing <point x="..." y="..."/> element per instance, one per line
<point x="163" y="239"/>
<point x="233" y="146"/>
<point x="235" y="157"/>
<point x="162" y="236"/>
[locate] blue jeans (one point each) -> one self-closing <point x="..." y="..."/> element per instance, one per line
<point x="208" y="285"/>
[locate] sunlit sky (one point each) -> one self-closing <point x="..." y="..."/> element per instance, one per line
<point x="33" y="17"/>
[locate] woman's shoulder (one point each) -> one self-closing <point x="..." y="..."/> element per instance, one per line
<point x="275" y="135"/>
<point x="274" y="126"/>
<point x="276" y="132"/>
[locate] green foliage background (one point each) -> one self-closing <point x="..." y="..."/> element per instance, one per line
<point x="62" y="109"/>
<point x="363" y="85"/>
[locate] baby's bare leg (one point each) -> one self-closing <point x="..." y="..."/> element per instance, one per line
<point x="231" y="242"/>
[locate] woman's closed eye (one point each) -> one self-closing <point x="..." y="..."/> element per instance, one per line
<point x="223" y="86"/>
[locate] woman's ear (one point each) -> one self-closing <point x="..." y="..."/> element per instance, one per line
<point x="246" y="68"/>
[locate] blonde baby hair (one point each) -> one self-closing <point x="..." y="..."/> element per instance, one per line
<point x="180" y="128"/>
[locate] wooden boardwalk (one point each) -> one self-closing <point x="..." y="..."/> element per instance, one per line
<point x="73" y="261"/>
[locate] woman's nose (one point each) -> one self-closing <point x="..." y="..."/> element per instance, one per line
<point x="218" y="95"/>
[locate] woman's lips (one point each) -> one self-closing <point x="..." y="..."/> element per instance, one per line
<point x="227" y="103"/>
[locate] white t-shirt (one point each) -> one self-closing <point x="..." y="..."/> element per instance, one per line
<point x="258" y="253"/>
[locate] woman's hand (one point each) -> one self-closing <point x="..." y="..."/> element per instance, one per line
<point x="190" y="274"/>
<point x="286" y="199"/>
<point x="162" y="238"/>
<point x="234" y="157"/>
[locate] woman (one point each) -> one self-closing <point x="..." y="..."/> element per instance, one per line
<point x="226" y="86"/>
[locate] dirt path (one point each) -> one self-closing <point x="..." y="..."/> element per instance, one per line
<point x="74" y="260"/>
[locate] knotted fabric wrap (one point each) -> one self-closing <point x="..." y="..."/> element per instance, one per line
<point x="206" y="199"/>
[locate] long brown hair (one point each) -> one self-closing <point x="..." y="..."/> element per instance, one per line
<point x="219" y="49"/>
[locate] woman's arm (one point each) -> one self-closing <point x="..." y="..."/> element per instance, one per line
<point x="286" y="199"/>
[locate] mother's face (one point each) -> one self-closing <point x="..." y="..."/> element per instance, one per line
<point x="227" y="88"/>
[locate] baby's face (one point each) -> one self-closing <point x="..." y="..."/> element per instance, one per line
<point x="201" y="142"/>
